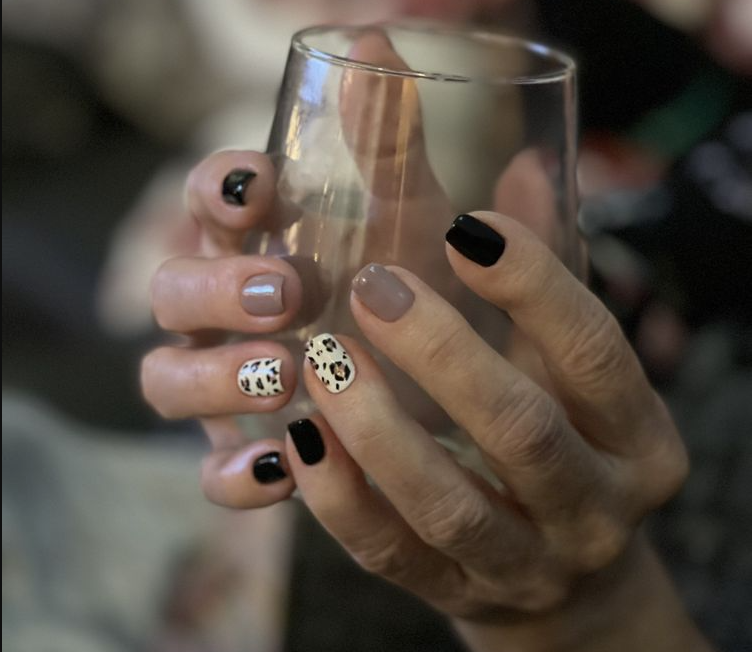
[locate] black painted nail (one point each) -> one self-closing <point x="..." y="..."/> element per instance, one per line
<point x="305" y="435"/>
<point x="475" y="240"/>
<point x="234" y="185"/>
<point x="267" y="468"/>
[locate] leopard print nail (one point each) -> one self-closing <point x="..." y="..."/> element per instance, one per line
<point x="261" y="377"/>
<point x="331" y="363"/>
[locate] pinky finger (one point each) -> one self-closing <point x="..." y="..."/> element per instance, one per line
<point x="255" y="474"/>
<point x="363" y="522"/>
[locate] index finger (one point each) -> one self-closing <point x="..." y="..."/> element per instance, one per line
<point x="596" y="374"/>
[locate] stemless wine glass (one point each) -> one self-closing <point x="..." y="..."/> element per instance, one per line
<point x="382" y="135"/>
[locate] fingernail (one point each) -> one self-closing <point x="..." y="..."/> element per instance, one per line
<point x="330" y="361"/>
<point x="475" y="240"/>
<point x="307" y="439"/>
<point x="234" y="185"/>
<point x="385" y="295"/>
<point x="268" y="468"/>
<point x="262" y="295"/>
<point x="261" y="377"/>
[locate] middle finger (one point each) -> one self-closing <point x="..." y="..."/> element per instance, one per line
<point x="527" y="440"/>
<point x="247" y="294"/>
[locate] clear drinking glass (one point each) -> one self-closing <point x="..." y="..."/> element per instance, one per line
<point x="382" y="135"/>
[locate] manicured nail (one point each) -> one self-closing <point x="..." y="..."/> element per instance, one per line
<point x="268" y="469"/>
<point x="307" y="439"/>
<point x="330" y="361"/>
<point x="234" y="185"/>
<point x="385" y="295"/>
<point x="475" y="240"/>
<point x="262" y="295"/>
<point x="260" y="377"/>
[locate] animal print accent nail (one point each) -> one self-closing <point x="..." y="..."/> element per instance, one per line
<point x="260" y="377"/>
<point x="331" y="363"/>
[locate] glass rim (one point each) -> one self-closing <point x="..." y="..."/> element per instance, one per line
<point x="566" y="64"/>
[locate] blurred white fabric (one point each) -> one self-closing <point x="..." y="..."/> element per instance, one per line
<point x="103" y="534"/>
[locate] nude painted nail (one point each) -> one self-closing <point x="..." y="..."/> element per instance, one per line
<point x="262" y="295"/>
<point x="261" y="377"/>
<point x="383" y="293"/>
<point x="331" y="363"/>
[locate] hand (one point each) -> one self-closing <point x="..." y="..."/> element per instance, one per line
<point x="554" y="554"/>
<point x="200" y="297"/>
<point x="204" y="298"/>
<point x="580" y="463"/>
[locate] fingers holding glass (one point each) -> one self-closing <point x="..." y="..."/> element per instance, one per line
<point x="595" y="372"/>
<point x="525" y="436"/>
<point x="242" y="378"/>
<point x="247" y="294"/>
<point x="336" y="491"/>
<point x="229" y="193"/>
<point x="445" y="506"/>
<point x="509" y="558"/>
<point x="242" y="474"/>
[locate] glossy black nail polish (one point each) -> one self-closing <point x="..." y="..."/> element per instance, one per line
<point x="267" y="468"/>
<point x="305" y="435"/>
<point x="234" y="185"/>
<point x="475" y="240"/>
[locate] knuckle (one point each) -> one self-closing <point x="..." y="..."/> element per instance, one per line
<point x="151" y="364"/>
<point x="457" y="521"/>
<point x="439" y="346"/>
<point x="528" y="284"/>
<point x="387" y="560"/>
<point x="207" y="480"/>
<point x="158" y="293"/>
<point x="528" y="430"/>
<point x="676" y="471"/>
<point x="600" y="544"/>
<point x="534" y="591"/>
<point x="595" y="350"/>
<point x="221" y="493"/>
<point x="539" y="595"/>
<point x="664" y="471"/>
<point x="153" y="378"/>
<point x="366" y="439"/>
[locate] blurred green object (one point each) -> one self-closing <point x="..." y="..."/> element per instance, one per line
<point x="673" y="129"/>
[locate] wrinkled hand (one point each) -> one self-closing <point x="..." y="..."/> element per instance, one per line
<point x="580" y="467"/>
<point x="580" y="453"/>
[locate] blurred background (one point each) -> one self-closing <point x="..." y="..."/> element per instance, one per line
<point x="107" y="541"/>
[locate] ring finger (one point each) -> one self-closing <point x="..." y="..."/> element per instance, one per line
<point x="240" y="378"/>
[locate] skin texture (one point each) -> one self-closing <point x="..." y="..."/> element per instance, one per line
<point x="583" y="449"/>
<point x="558" y="554"/>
